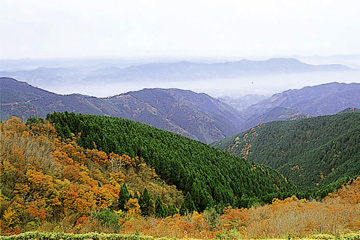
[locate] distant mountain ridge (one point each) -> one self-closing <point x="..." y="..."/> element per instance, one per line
<point x="171" y="71"/>
<point x="194" y="115"/>
<point x="325" y="99"/>
<point x="187" y="71"/>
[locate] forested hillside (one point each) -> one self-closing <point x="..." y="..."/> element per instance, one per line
<point x="51" y="184"/>
<point x="310" y="152"/>
<point x="210" y="175"/>
<point x="47" y="179"/>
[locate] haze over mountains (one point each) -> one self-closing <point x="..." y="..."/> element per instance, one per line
<point x="197" y="116"/>
<point x="191" y="114"/>
<point x="188" y="71"/>
<point x="234" y="78"/>
<point x="325" y="99"/>
<point x="240" y="103"/>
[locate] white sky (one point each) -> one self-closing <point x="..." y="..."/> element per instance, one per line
<point x="86" y="28"/>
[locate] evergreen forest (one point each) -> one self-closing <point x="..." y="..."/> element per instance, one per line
<point x="309" y="152"/>
<point x="211" y="176"/>
<point x="53" y="188"/>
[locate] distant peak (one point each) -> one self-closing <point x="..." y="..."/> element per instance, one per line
<point x="284" y="60"/>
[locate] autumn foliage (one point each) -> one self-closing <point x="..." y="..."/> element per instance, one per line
<point x="52" y="184"/>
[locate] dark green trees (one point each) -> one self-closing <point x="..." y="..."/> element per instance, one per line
<point x="309" y="152"/>
<point x="188" y="205"/>
<point x="172" y="210"/>
<point x="160" y="209"/>
<point x="146" y="204"/>
<point x="124" y="196"/>
<point x="208" y="174"/>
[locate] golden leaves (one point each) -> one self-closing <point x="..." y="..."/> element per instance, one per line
<point x="10" y="217"/>
<point x="133" y="208"/>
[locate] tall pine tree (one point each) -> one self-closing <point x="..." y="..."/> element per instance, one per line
<point x="146" y="204"/>
<point x="124" y="196"/>
<point x="172" y="210"/>
<point x="160" y="209"/>
<point x="188" y="205"/>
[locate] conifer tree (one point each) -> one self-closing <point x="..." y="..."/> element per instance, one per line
<point x="188" y="205"/>
<point x="146" y="204"/>
<point x="160" y="209"/>
<point x="172" y="210"/>
<point x="124" y="196"/>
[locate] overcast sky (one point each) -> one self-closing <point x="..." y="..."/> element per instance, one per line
<point x="258" y="28"/>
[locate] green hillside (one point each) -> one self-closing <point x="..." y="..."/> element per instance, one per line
<point x="210" y="175"/>
<point x="310" y="152"/>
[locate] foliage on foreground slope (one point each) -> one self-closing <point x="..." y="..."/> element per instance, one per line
<point x="309" y="152"/>
<point x="210" y="175"/>
<point x="53" y="185"/>
<point x="49" y="180"/>
<point x="114" y="236"/>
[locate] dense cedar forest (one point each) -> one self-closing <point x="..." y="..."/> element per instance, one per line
<point x="211" y="176"/>
<point x="50" y="183"/>
<point x="309" y="152"/>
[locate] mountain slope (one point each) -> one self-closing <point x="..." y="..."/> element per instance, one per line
<point x="197" y="116"/>
<point x="318" y="100"/>
<point x="308" y="151"/>
<point x="210" y="175"/>
<point x="45" y="177"/>
<point x="325" y="99"/>
<point x="274" y="114"/>
<point x="23" y="100"/>
<point x="51" y="186"/>
<point x="14" y="91"/>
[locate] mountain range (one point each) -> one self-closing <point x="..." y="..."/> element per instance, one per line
<point x="170" y="71"/>
<point x="83" y="170"/>
<point x="325" y="99"/>
<point x="188" y="71"/>
<point x="332" y="97"/>
<point x="194" y="115"/>
<point x="197" y="116"/>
